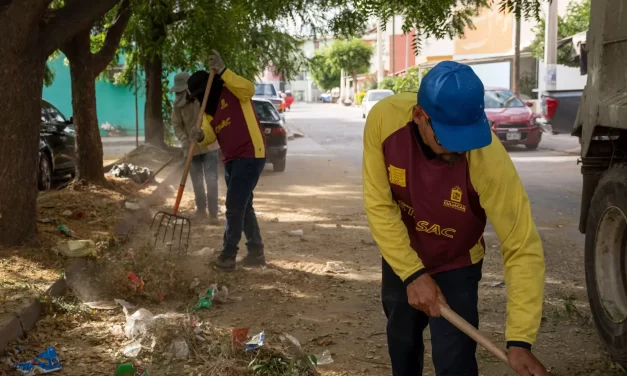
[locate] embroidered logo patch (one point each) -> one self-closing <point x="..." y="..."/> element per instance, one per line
<point x="223" y="104"/>
<point x="455" y="201"/>
<point x="397" y="176"/>
<point x="223" y="124"/>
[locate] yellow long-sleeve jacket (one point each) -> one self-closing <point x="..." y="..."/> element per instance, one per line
<point x="235" y="124"/>
<point x="429" y="216"/>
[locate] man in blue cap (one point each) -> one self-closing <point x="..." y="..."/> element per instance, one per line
<point x="433" y="174"/>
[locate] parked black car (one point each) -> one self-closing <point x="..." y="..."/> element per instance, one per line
<point x="56" y="146"/>
<point x="276" y="134"/>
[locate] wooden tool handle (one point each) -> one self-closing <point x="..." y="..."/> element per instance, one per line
<point x="472" y="332"/>
<point x="192" y="145"/>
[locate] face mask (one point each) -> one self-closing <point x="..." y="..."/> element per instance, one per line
<point x="180" y="100"/>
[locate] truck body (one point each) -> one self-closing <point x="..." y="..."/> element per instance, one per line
<point x="601" y="126"/>
<point x="559" y="109"/>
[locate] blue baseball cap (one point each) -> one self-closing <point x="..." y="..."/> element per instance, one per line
<point x="451" y="95"/>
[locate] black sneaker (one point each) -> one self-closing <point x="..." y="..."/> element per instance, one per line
<point x="252" y="259"/>
<point x="224" y="263"/>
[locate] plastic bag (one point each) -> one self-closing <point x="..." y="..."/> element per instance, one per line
<point x="77" y="248"/>
<point x="138" y="322"/>
<point x="178" y="349"/>
<point x="132" y="350"/>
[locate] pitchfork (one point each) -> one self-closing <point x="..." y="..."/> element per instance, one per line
<point x="166" y="220"/>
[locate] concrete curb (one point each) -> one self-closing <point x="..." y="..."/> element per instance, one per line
<point x="24" y="321"/>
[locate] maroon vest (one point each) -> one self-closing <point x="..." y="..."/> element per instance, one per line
<point x="438" y="203"/>
<point x="231" y="129"/>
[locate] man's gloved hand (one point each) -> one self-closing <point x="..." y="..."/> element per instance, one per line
<point x="215" y="62"/>
<point x="425" y="295"/>
<point x="525" y="363"/>
<point x="197" y="134"/>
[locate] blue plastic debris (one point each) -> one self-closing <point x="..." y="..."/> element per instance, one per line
<point x="46" y="362"/>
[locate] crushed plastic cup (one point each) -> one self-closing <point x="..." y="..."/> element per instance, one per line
<point x="66" y="231"/>
<point x="296" y="233"/>
<point x="324" y="358"/>
<point x="132" y="350"/>
<point x="46" y="362"/>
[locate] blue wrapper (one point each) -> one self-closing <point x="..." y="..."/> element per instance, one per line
<point x="256" y="342"/>
<point x="46" y="362"/>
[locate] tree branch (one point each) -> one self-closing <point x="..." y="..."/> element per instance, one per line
<point x="103" y="57"/>
<point x="176" y="17"/>
<point x="61" y="24"/>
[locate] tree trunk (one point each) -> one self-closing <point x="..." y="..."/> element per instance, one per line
<point x="21" y="80"/>
<point x="89" y="153"/>
<point x="153" y="121"/>
<point x="354" y="75"/>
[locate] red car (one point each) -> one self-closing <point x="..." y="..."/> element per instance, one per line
<point x="511" y="119"/>
<point x="289" y="99"/>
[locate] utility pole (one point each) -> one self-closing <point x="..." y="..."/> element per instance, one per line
<point x="550" y="47"/>
<point x="379" y="52"/>
<point x="393" y="45"/>
<point x="407" y="36"/>
<point x="516" y="88"/>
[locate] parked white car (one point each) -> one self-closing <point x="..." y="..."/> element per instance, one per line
<point x="371" y="98"/>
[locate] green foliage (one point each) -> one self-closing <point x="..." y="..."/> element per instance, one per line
<point x="278" y="366"/>
<point x="408" y="82"/>
<point x="359" y="97"/>
<point x="388" y="83"/>
<point x="576" y="20"/>
<point x="325" y="75"/>
<point x="353" y="56"/>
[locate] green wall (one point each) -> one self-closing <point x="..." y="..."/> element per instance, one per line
<point x="115" y="104"/>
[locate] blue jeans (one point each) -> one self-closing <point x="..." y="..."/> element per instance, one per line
<point x="204" y="170"/>
<point x="453" y="352"/>
<point x="242" y="175"/>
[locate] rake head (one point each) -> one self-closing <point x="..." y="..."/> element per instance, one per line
<point x="173" y="230"/>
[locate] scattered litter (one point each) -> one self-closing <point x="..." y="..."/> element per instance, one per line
<point x="160" y="296"/>
<point x="293" y="343"/>
<point x="124" y="303"/>
<point x="136" y="281"/>
<point x="105" y="305"/>
<point x="296" y="233"/>
<point x="494" y="284"/>
<point x="130" y="370"/>
<point x="256" y="342"/>
<point x="195" y="283"/>
<point x="46" y="220"/>
<point x="67" y="213"/>
<point x="178" y="349"/>
<point x="46" y="362"/>
<point x="133" y="206"/>
<point x="66" y="231"/>
<point x="77" y="248"/>
<point x="334" y="267"/>
<point x="132" y="350"/>
<point x="324" y="358"/>
<point x="205" y="300"/>
<point x="127" y="170"/>
<point x="238" y="338"/>
<point x="138" y="322"/>
<point x="79" y="214"/>
<point x="275" y="220"/>
<point x="368" y="242"/>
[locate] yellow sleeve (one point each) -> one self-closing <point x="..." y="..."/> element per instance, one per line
<point x="384" y="215"/>
<point x="239" y="86"/>
<point x="507" y="206"/>
<point x="210" y="135"/>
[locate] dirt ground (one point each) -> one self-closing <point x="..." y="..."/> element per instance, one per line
<point x="337" y="310"/>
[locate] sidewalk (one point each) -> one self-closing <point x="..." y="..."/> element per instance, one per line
<point x="563" y="143"/>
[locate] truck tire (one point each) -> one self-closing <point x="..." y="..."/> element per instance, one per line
<point x="279" y="165"/>
<point x="605" y="261"/>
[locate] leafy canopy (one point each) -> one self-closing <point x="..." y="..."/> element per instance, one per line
<point x="325" y="75"/>
<point x="576" y="20"/>
<point x="353" y="56"/>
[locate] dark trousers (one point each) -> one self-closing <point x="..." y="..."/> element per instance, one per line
<point x="453" y="352"/>
<point x="241" y="176"/>
<point x="204" y="170"/>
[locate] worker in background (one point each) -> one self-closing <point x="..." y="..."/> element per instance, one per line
<point x="231" y="119"/>
<point x="433" y="172"/>
<point x="204" y="167"/>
